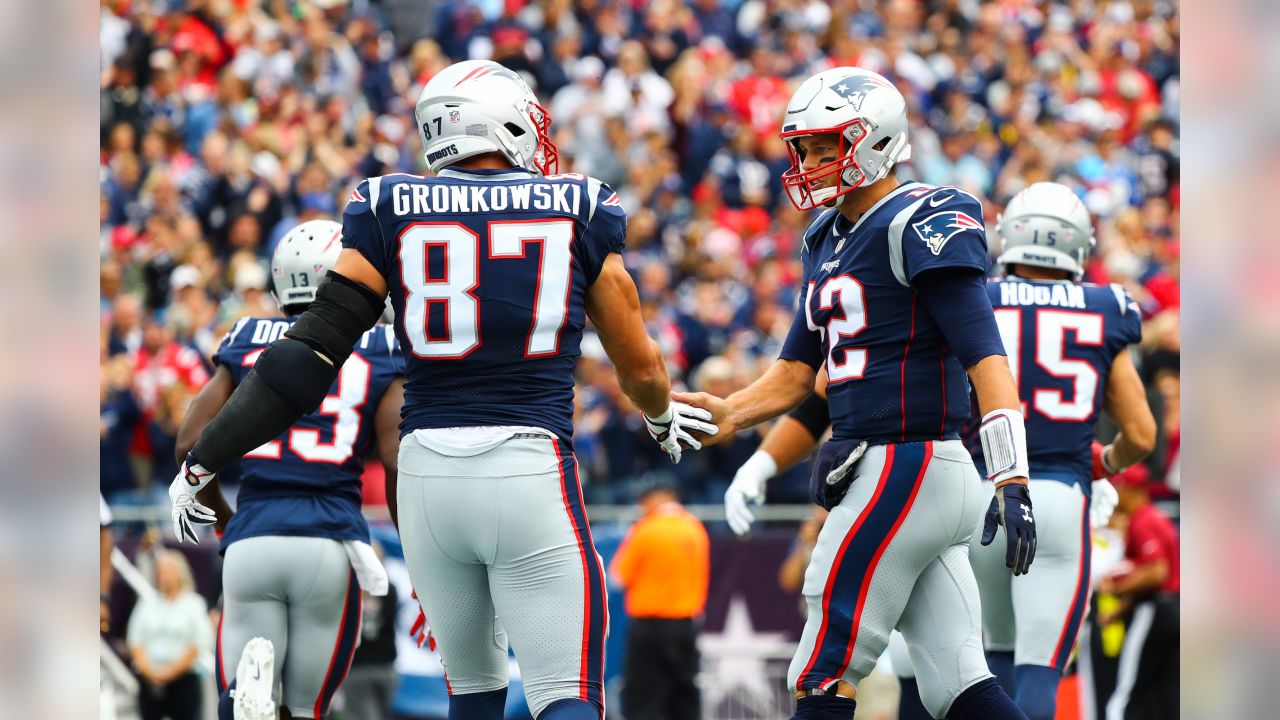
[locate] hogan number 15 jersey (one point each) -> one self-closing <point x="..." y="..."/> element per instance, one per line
<point x="1062" y="338"/>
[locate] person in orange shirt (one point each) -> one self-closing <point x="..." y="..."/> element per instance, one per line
<point x="663" y="565"/>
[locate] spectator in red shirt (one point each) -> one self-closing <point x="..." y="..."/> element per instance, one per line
<point x="1148" y="681"/>
<point x="760" y="97"/>
<point x="162" y="368"/>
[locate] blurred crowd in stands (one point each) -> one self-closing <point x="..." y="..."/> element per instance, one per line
<point x="226" y="122"/>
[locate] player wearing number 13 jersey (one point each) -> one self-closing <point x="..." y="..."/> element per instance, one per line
<point x="493" y="266"/>
<point x="296" y="548"/>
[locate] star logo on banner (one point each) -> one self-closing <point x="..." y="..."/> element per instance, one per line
<point x="737" y="656"/>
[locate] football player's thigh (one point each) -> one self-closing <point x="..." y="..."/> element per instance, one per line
<point x="548" y="581"/>
<point x="253" y="605"/>
<point x="874" y="544"/>
<point x="942" y="624"/>
<point x="1051" y="600"/>
<point x="324" y="623"/>
<point x="995" y="584"/>
<point x="442" y="521"/>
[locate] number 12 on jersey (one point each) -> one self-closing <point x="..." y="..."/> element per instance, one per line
<point x="452" y="287"/>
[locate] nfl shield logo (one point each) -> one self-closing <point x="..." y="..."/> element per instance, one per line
<point x="453" y="116"/>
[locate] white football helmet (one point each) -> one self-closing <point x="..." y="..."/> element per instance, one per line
<point x="301" y="260"/>
<point x="478" y="106"/>
<point x="870" y="116"/>
<point x="1047" y="226"/>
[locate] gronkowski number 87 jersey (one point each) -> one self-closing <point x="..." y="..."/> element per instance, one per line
<point x="488" y="272"/>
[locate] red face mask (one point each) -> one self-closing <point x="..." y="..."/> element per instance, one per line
<point x="805" y="188"/>
<point x="546" y="156"/>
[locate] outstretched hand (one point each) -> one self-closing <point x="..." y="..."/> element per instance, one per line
<point x="719" y="409"/>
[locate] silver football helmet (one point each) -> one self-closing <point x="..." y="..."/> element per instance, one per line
<point x="870" y="116"/>
<point x="478" y="106"/>
<point x="1047" y="226"/>
<point x="301" y="260"/>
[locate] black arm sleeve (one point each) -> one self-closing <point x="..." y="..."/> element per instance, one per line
<point x="292" y="375"/>
<point x="957" y="300"/>
<point x="342" y="311"/>
<point x="254" y="414"/>
<point x="814" y="414"/>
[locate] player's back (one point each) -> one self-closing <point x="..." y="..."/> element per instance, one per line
<point x="307" y="480"/>
<point x="1062" y="338"/>
<point x="488" y="272"/>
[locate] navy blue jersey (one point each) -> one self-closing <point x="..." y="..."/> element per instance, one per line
<point x="1062" y="338"/>
<point x="488" y="272"/>
<point x="307" y="481"/>
<point x="891" y="375"/>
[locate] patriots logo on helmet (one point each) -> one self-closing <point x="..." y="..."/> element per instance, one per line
<point x="854" y="89"/>
<point x="938" y="228"/>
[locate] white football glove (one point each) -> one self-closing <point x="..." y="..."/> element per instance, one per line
<point x="1103" y="503"/>
<point x="748" y="487"/>
<point x="187" y="512"/>
<point x="672" y="427"/>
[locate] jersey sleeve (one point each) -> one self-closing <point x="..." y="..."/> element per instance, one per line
<point x="606" y="229"/>
<point x="1127" y="330"/>
<point x="228" y="353"/>
<point x="360" y="228"/>
<point x="944" y="230"/>
<point x="804" y="343"/>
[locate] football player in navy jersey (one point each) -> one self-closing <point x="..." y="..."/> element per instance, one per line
<point x="1068" y="343"/>
<point x="493" y="266"/>
<point x="1068" y="346"/>
<point x="894" y="311"/>
<point x="296" y="547"/>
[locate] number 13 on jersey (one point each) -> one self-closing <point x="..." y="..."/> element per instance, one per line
<point x="448" y="285"/>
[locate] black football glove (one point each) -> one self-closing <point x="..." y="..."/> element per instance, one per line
<point x="1011" y="507"/>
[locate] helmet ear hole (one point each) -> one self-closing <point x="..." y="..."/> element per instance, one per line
<point x="884" y="143"/>
<point x="514" y="129"/>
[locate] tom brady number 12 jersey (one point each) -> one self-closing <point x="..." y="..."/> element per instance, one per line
<point x="890" y="376"/>
<point x="306" y="482"/>
<point x="488" y="272"/>
<point x="1062" y="338"/>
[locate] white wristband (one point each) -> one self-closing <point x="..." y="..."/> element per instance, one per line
<point x="1004" y="444"/>
<point x="1111" y="470"/>
<point x="663" y="419"/>
<point x="761" y="465"/>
